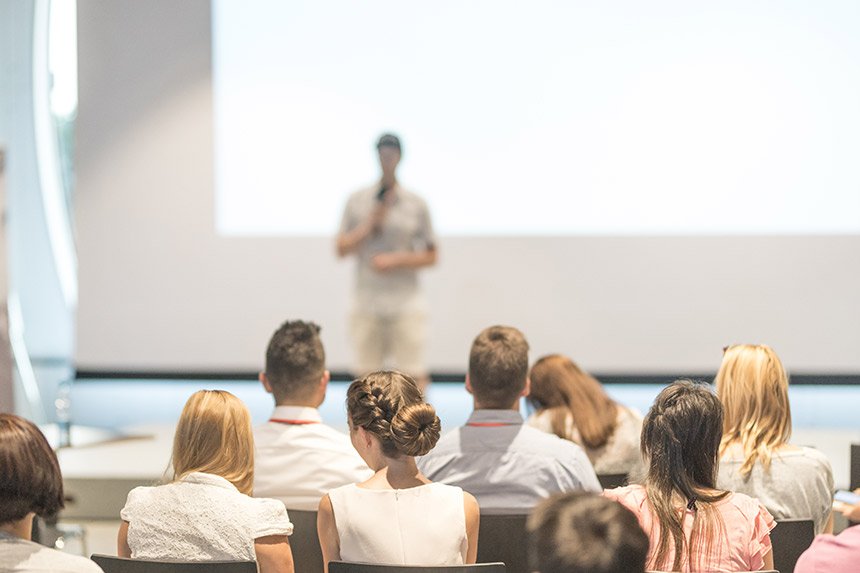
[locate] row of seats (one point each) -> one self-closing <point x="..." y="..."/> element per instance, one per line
<point x="502" y="547"/>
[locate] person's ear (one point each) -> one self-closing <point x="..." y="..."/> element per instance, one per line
<point x="527" y="388"/>
<point x="264" y="380"/>
<point x="468" y="384"/>
<point x="326" y="378"/>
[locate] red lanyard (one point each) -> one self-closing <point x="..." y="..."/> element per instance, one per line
<point x="293" y="422"/>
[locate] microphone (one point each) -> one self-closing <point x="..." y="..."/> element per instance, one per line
<point x="380" y="195"/>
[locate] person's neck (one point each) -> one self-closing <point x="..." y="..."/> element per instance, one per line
<point x="23" y="528"/>
<point x="515" y="407"/>
<point x="299" y="403"/>
<point x="403" y="473"/>
<point x="389" y="182"/>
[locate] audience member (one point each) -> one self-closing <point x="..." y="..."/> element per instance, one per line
<point x="299" y="459"/>
<point x="503" y="462"/>
<point x="573" y="405"/>
<point x="755" y="456"/>
<point x="578" y="532"/>
<point x="206" y="512"/>
<point x="832" y="553"/>
<point x="693" y="526"/>
<point x="397" y="516"/>
<point x="30" y="485"/>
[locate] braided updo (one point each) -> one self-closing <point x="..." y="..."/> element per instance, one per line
<point x="389" y="405"/>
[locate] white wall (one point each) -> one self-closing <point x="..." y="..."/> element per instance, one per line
<point x="160" y="290"/>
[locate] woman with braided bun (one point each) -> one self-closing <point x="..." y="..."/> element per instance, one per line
<point x="693" y="525"/>
<point x="398" y="516"/>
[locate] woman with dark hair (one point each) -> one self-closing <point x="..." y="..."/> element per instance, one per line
<point x="573" y="405"/>
<point x="30" y="485"/>
<point x="693" y="526"/>
<point x="397" y="516"/>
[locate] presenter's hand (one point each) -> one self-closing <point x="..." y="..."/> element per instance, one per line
<point x="386" y="261"/>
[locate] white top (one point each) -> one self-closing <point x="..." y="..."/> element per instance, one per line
<point x="202" y="517"/>
<point x="23" y="556"/>
<point x="799" y="484"/>
<point x="406" y="227"/>
<point x="424" y="525"/>
<point x="619" y="455"/>
<point x="300" y="463"/>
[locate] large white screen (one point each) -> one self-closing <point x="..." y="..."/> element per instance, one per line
<point x="542" y="117"/>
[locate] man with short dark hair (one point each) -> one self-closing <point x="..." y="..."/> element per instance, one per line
<point x="299" y="459"/>
<point x="580" y="532"/>
<point x="495" y="457"/>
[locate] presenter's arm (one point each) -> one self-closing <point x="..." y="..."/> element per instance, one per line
<point x="327" y="531"/>
<point x="473" y="522"/>
<point x="349" y="241"/>
<point x="274" y="554"/>
<point x="122" y="548"/>
<point x="405" y="259"/>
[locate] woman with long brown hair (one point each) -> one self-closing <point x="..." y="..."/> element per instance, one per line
<point x="398" y="516"/>
<point x="206" y="513"/>
<point x="573" y="405"/>
<point x="756" y="457"/>
<point x="693" y="526"/>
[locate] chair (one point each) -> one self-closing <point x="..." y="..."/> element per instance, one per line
<point x="502" y="538"/>
<point x="304" y="542"/>
<point x="854" y="479"/>
<point x="609" y="481"/>
<point x="344" y="567"/>
<point x="790" y="538"/>
<point x="111" y="564"/>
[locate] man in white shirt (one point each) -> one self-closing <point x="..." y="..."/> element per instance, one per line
<point x="504" y="463"/>
<point x="299" y="459"/>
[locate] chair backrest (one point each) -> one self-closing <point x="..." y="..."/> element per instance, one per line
<point x="854" y="479"/>
<point x="304" y="542"/>
<point x="609" y="481"/>
<point x="790" y="538"/>
<point x="111" y="564"/>
<point x="344" y="567"/>
<point x="503" y="538"/>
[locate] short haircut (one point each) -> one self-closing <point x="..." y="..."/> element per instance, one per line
<point x="579" y="532"/>
<point x="30" y="479"/>
<point x="295" y="360"/>
<point x="389" y="140"/>
<point x="498" y="366"/>
<point x="214" y="436"/>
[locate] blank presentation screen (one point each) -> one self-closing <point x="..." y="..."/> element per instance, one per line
<point x="542" y="117"/>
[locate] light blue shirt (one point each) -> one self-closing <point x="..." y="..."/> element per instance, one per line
<point x="506" y="464"/>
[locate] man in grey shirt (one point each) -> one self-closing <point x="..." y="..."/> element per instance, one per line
<point x="504" y="463"/>
<point x="389" y="231"/>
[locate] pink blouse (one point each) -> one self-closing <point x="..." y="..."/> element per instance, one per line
<point x="746" y="532"/>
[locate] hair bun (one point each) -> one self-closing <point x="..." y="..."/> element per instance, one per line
<point x="415" y="429"/>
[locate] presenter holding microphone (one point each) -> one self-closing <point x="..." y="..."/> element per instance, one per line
<point x="389" y="231"/>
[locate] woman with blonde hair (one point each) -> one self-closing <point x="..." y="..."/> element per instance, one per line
<point x="692" y="524"/>
<point x="755" y="455"/>
<point x="206" y="512"/>
<point x="573" y="405"/>
<point x="398" y="516"/>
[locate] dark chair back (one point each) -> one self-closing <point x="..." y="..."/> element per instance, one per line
<point x="790" y="538"/>
<point x="111" y="564"/>
<point x="344" y="567"/>
<point x="304" y="542"/>
<point x="609" y="481"/>
<point x="503" y="538"/>
<point x="854" y="478"/>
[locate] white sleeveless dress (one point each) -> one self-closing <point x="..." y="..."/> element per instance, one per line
<point x="424" y="525"/>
